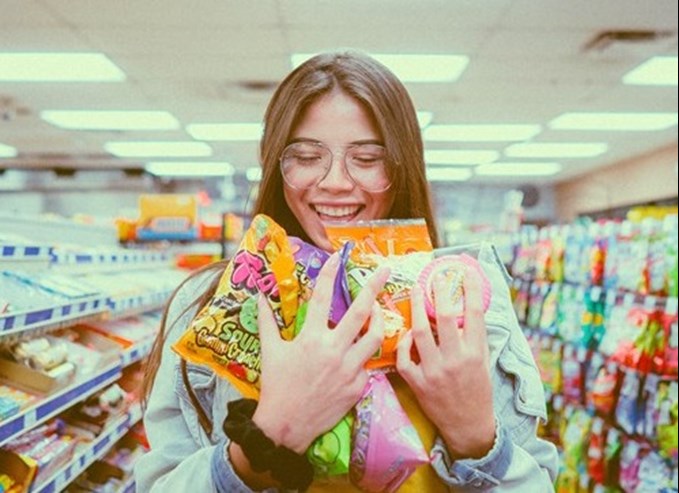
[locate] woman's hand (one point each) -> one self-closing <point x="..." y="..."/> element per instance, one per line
<point x="452" y="382"/>
<point x="311" y="382"/>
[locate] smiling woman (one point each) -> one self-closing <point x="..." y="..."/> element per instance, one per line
<point x="342" y="144"/>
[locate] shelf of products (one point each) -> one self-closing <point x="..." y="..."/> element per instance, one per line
<point x="56" y="403"/>
<point x="85" y="457"/>
<point x="599" y="308"/>
<point x="73" y="321"/>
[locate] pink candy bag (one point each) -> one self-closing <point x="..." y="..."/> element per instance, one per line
<point x="387" y="449"/>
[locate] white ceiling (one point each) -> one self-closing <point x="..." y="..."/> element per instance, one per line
<point x="528" y="65"/>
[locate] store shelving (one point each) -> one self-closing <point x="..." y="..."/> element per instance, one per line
<point x="598" y="306"/>
<point x="53" y="317"/>
<point x="86" y="456"/>
<point x="136" y="353"/>
<point x="129" y="486"/>
<point x="134" y="305"/>
<point x="667" y="303"/>
<point x="58" y="402"/>
<point x="114" y="260"/>
<point x="11" y="253"/>
<point x="96" y="258"/>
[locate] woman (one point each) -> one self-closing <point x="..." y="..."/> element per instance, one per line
<point x="342" y="143"/>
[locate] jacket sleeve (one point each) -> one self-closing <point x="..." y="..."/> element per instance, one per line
<point x="508" y="467"/>
<point x="181" y="456"/>
<point x="519" y="461"/>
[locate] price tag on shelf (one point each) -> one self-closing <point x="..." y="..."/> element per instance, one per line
<point x="30" y="419"/>
<point x="59" y="482"/>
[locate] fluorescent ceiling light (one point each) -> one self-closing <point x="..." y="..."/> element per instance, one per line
<point x="58" y="67"/>
<point x="189" y="169"/>
<point x="158" y="149"/>
<point x="448" y="174"/>
<point x="455" y="157"/>
<point x="614" y="121"/>
<point x="111" y="120"/>
<point x="656" y="71"/>
<point x="253" y="174"/>
<point x="225" y="131"/>
<point x="556" y="150"/>
<point x="424" y="118"/>
<point x="413" y="68"/>
<point x="7" y="151"/>
<point x="518" y="169"/>
<point x="480" y="133"/>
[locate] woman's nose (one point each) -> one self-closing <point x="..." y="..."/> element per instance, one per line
<point x="337" y="178"/>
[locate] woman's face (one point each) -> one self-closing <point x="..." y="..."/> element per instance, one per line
<point x="338" y="121"/>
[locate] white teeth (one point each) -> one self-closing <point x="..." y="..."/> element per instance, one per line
<point x="347" y="210"/>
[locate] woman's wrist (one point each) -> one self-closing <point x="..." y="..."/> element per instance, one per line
<point x="282" y="432"/>
<point x="263" y="455"/>
<point x="471" y="443"/>
<point x="255" y="480"/>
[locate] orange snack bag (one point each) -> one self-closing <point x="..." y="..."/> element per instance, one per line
<point x="382" y="237"/>
<point x="224" y="333"/>
<point x="402" y="245"/>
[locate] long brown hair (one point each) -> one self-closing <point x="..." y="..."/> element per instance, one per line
<point x="385" y="97"/>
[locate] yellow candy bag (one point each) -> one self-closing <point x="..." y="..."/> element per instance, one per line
<point x="224" y="333"/>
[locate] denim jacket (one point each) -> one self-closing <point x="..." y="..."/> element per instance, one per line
<point x="184" y="459"/>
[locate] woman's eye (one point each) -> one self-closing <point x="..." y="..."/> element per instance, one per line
<point x="307" y="159"/>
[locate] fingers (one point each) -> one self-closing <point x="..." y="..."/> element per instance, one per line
<point x="421" y="329"/>
<point x="447" y="316"/>
<point x="370" y="342"/>
<point x="361" y="308"/>
<point x="266" y="322"/>
<point x="404" y="364"/>
<point x="474" y="323"/>
<point x="321" y="299"/>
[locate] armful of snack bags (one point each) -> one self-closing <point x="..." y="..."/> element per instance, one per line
<point x="405" y="247"/>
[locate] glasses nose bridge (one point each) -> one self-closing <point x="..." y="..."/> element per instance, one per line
<point x="340" y="156"/>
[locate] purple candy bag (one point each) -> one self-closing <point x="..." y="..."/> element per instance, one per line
<point x="341" y="298"/>
<point x="309" y="260"/>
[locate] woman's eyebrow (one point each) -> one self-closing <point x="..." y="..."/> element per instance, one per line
<point x="355" y="142"/>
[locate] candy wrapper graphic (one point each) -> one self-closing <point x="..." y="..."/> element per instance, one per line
<point x="224" y="333"/>
<point x="394" y="299"/>
<point x="381" y="237"/>
<point x="329" y="454"/>
<point x="387" y="449"/>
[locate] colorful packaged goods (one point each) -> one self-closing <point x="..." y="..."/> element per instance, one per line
<point x="387" y="448"/>
<point x="224" y="334"/>
<point x="284" y="270"/>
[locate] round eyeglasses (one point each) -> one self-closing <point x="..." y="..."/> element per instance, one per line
<point x="306" y="164"/>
